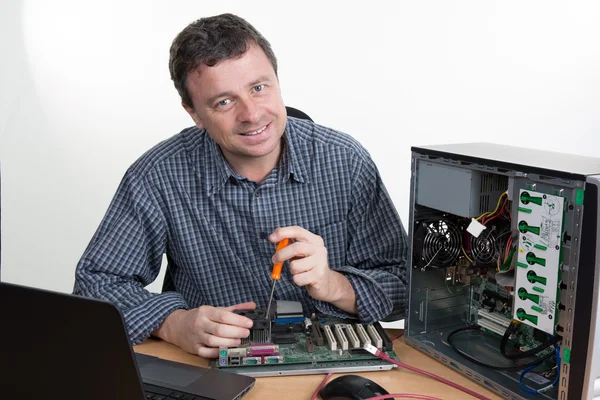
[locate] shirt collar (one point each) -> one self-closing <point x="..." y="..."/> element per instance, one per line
<point x="292" y="165"/>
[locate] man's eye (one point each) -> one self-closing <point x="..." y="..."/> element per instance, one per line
<point x="223" y="102"/>
<point x="259" y="88"/>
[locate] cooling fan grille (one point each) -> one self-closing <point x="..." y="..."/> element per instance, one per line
<point x="439" y="242"/>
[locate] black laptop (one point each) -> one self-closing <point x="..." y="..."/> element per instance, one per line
<point x="61" y="346"/>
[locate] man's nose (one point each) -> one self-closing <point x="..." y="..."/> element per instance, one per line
<point x="248" y="111"/>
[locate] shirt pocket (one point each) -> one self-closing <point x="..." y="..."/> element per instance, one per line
<point x="335" y="238"/>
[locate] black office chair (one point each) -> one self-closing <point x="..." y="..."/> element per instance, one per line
<point x="294" y="112"/>
<point x="168" y="284"/>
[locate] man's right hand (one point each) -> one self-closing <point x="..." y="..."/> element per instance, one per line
<point x="203" y="330"/>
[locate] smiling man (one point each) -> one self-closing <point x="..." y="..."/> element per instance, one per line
<point x="218" y="196"/>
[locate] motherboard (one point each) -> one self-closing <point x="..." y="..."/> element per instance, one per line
<point x="286" y="342"/>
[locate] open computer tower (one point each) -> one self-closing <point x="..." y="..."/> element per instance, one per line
<point x="504" y="275"/>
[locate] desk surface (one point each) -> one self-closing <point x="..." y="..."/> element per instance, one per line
<point x="301" y="387"/>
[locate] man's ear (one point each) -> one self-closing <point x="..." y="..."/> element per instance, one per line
<point x="194" y="116"/>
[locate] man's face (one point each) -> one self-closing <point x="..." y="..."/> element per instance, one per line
<point x="238" y="101"/>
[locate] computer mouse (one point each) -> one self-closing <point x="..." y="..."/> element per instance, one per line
<point x="351" y="387"/>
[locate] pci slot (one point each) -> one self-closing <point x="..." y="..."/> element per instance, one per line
<point x="339" y="333"/>
<point x="316" y="334"/>
<point x="352" y="338"/>
<point x="493" y="322"/>
<point x="374" y="335"/>
<point x="362" y="334"/>
<point x="330" y="338"/>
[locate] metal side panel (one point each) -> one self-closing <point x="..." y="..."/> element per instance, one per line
<point x="591" y="388"/>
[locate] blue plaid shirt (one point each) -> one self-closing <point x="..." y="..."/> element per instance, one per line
<point x="182" y="198"/>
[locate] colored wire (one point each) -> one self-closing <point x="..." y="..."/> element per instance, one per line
<point x="403" y="396"/>
<point x="497" y="206"/>
<point x="494" y="367"/>
<point x="371" y="349"/>
<point x="398" y="336"/>
<point x="321" y="385"/>
<point x="485" y="220"/>
<point x="527" y="370"/>
<point x="466" y="255"/>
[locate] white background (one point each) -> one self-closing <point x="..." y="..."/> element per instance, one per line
<point x="85" y="90"/>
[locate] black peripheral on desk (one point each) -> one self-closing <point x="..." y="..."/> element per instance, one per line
<point x="351" y="387"/>
<point x="56" y="345"/>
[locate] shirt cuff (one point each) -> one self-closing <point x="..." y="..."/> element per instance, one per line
<point x="146" y="317"/>
<point x="373" y="303"/>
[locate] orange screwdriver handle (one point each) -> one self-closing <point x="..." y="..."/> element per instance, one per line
<point x="276" y="274"/>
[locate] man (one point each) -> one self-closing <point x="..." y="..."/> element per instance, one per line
<point x="217" y="197"/>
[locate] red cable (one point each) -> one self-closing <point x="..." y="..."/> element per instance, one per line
<point x="383" y="356"/>
<point x="316" y="393"/>
<point x="485" y="221"/>
<point x="403" y="396"/>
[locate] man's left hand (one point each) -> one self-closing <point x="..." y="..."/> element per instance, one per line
<point x="309" y="267"/>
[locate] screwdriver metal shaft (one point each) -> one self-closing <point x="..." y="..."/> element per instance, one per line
<point x="276" y="274"/>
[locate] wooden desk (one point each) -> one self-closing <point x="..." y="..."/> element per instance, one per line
<point x="301" y="387"/>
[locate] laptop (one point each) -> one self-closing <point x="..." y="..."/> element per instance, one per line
<point x="56" y="345"/>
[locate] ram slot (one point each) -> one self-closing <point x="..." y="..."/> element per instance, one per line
<point x="352" y="338"/>
<point x="377" y="341"/>
<point x="339" y="333"/>
<point x="330" y="338"/>
<point x="362" y="334"/>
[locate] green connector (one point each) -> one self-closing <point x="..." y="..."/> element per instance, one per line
<point x="532" y="259"/>
<point x="526" y="198"/>
<point x="538" y="289"/>
<point x="540" y="247"/>
<point x="506" y="264"/>
<point x="566" y="355"/>
<point x="579" y="197"/>
<point x="525" y="210"/>
<point x="523" y="295"/>
<point x="520" y="264"/>
<point x="223" y="353"/>
<point x="536" y="308"/>
<point x="524" y="227"/>
<point x="534" y="278"/>
<point x="522" y="315"/>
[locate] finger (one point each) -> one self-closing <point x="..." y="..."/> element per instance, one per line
<point x="228" y="317"/>
<point x="249" y="305"/>
<point x="304" y="279"/>
<point x="294" y="232"/>
<point x="205" y="351"/>
<point x="301" y="265"/>
<point x="216" y="341"/>
<point x="296" y="250"/>
<point x="227" y="331"/>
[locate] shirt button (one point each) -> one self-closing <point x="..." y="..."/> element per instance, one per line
<point x="257" y="193"/>
<point x="263" y="235"/>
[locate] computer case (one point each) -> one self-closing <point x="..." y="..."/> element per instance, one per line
<point x="504" y="276"/>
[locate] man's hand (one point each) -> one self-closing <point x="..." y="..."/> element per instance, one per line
<point x="310" y="268"/>
<point x="202" y="330"/>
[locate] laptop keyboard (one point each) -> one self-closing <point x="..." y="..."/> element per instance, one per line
<point x="161" y="393"/>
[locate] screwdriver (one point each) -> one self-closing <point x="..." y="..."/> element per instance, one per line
<point x="276" y="274"/>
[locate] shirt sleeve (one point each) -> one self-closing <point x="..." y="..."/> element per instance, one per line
<point x="124" y="256"/>
<point x="377" y="251"/>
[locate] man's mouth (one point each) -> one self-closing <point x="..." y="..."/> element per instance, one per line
<point x="256" y="132"/>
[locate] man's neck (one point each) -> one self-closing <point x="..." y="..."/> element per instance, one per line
<point x="256" y="169"/>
